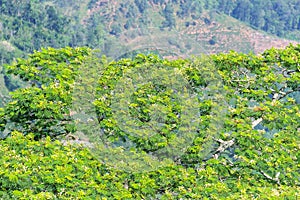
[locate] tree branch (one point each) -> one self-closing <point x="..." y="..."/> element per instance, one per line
<point x="256" y="122"/>
<point x="223" y="146"/>
<point x="276" y="178"/>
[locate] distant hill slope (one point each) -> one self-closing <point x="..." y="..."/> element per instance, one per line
<point x="178" y="27"/>
<point x="278" y="17"/>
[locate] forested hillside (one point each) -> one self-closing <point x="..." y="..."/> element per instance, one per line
<point x="109" y="25"/>
<point x="280" y="17"/>
<point x="30" y="25"/>
<point x="275" y="16"/>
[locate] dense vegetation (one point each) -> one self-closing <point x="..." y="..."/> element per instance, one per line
<point x="76" y="125"/>
<point x="277" y="17"/>
<point x="29" y="25"/>
<point x="243" y="142"/>
<point x="48" y="170"/>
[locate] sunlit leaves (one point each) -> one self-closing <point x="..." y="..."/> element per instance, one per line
<point x="262" y="120"/>
<point x="43" y="108"/>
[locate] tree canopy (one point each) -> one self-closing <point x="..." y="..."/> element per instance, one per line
<point x="244" y="139"/>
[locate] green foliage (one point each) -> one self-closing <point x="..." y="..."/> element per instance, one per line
<point x="47" y="170"/>
<point x="140" y="101"/>
<point x="246" y="145"/>
<point x="44" y="108"/>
